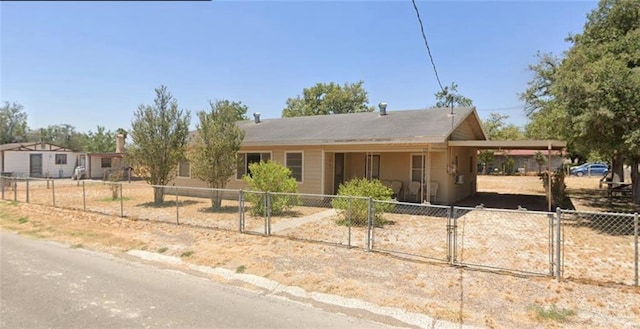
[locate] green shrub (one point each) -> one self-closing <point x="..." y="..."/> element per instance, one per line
<point x="271" y="176"/>
<point x="354" y="210"/>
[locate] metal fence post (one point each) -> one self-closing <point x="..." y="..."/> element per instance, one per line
<point x="454" y="234"/>
<point x="121" y="202"/>
<point x="27" y="182"/>
<point x="349" y="223"/>
<point x="449" y="235"/>
<point x="84" y="198"/>
<point x="551" y="243"/>
<point x="2" y="186"/>
<point x="240" y="212"/>
<point x="177" y="206"/>
<point x="369" y="220"/>
<point x="635" y="236"/>
<point x="53" y="192"/>
<point x="15" y="189"/>
<point x="558" y="243"/>
<point x="267" y="211"/>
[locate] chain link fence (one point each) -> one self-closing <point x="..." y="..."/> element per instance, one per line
<point x="598" y="246"/>
<point x="592" y="246"/>
<point x="509" y="240"/>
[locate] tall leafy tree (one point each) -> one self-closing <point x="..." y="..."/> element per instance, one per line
<point x="450" y="95"/>
<point x="159" y="136"/>
<point x="13" y="123"/>
<point x="497" y="128"/>
<point x="101" y="140"/>
<point x="213" y="153"/>
<point x="598" y="85"/>
<point x="64" y="135"/>
<point x="329" y="98"/>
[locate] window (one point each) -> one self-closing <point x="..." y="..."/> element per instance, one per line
<point x="105" y="162"/>
<point x="61" y="159"/>
<point x="417" y="168"/>
<point x="372" y="167"/>
<point x="183" y="169"/>
<point x="293" y="161"/>
<point x="245" y="159"/>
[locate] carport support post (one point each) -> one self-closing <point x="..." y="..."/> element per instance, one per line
<point x="558" y="243"/>
<point x="15" y="189"/>
<point x="549" y="194"/>
<point x="84" y="198"/>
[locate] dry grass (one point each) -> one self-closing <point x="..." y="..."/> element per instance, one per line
<point x="480" y="298"/>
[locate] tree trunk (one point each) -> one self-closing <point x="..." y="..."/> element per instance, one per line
<point x="158" y="195"/>
<point x="617" y="168"/>
<point x="635" y="183"/>
<point x="216" y="200"/>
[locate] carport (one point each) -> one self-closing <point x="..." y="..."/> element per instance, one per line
<point x="538" y="145"/>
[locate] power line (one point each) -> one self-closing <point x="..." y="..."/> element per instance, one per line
<point x="426" y="43"/>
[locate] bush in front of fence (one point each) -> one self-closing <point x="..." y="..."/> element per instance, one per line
<point x="273" y="177"/>
<point x="353" y="204"/>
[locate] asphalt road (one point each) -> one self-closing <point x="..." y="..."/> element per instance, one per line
<point x="49" y="285"/>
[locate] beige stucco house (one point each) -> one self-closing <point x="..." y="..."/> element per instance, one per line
<point x="408" y="150"/>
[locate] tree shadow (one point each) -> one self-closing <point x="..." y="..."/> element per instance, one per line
<point x="167" y="204"/>
<point x="613" y="215"/>
<point x="223" y="209"/>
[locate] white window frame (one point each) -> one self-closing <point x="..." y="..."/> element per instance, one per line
<point x="246" y="166"/>
<point x="422" y="170"/>
<point x="301" y="163"/>
<point x="368" y="172"/>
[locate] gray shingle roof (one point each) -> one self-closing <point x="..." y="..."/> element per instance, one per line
<point x="423" y="125"/>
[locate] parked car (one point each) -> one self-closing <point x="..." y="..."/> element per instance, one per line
<point x="590" y="168"/>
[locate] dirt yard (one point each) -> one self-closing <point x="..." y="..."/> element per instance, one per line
<point x="486" y="299"/>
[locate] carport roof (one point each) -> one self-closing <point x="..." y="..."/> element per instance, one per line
<point x="512" y="145"/>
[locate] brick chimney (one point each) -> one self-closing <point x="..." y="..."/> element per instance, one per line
<point x="120" y="143"/>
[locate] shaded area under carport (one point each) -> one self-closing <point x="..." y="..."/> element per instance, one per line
<point x="505" y="201"/>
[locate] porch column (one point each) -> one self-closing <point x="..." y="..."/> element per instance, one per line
<point x="549" y="195"/>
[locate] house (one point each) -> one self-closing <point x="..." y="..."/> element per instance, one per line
<point x="98" y="165"/>
<point x="36" y="159"/>
<point x="408" y="149"/>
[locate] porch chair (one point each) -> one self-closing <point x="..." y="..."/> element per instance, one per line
<point x="433" y="193"/>
<point x="414" y="190"/>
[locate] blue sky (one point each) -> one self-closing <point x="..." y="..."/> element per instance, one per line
<point x="93" y="63"/>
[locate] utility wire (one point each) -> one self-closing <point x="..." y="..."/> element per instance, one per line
<point x="426" y="43"/>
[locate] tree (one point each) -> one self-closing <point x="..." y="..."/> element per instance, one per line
<point x="13" y="123"/>
<point x="329" y="98"/>
<point x="158" y="140"/>
<point x="598" y="85"/>
<point x="212" y="155"/>
<point x="101" y="141"/>
<point x="449" y="96"/>
<point x="497" y="128"/>
<point x="64" y="135"/>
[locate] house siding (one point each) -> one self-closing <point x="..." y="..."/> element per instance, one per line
<point x="18" y="162"/>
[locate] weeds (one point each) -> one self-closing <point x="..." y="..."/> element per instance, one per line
<point x="553" y="313"/>
<point x="187" y="253"/>
<point x="76" y="246"/>
<point x="23" y="220"/>
<point x="162" y="250"/>
<point x="241" y="269"/>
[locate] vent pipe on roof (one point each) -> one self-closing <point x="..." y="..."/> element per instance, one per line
<point x="256" y="117"/>
<point x="383" y="108"/>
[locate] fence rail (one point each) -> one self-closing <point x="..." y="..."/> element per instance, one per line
<point x="592" y="246"/>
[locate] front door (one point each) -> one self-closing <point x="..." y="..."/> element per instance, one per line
<point x="35" y="165"/>
<point x="338" y="174"/>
